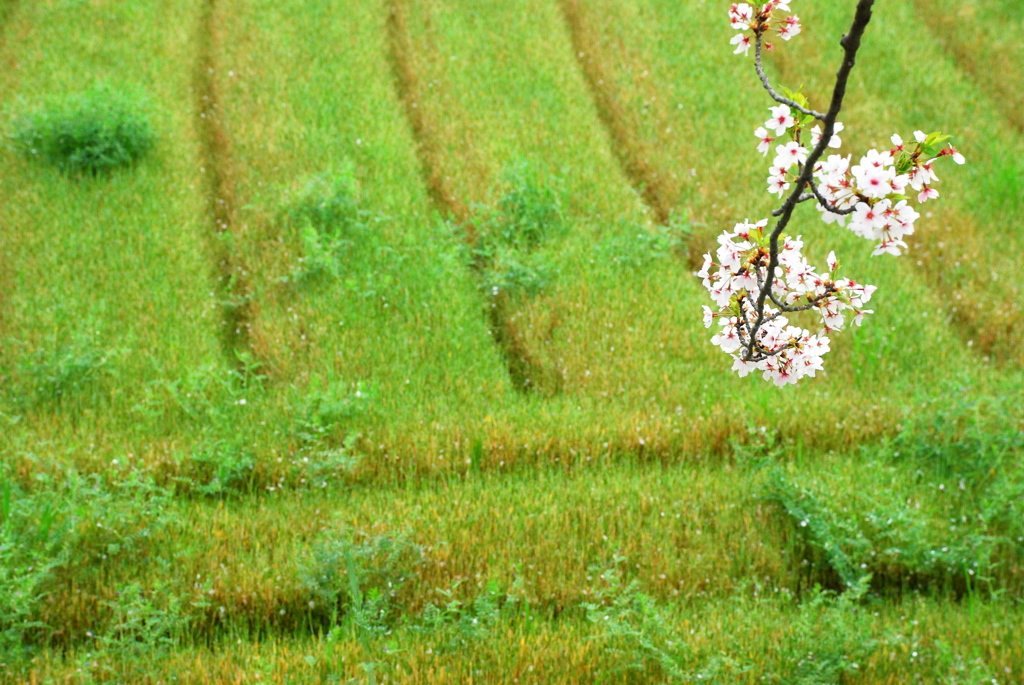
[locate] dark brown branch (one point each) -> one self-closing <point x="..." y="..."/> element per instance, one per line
<point x="851" y="44"/>
<point x="803" y="198"/>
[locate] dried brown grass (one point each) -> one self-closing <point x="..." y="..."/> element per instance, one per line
<point x="239" y="331"/>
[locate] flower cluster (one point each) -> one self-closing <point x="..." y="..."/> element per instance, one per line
<point x="761" y="337"/>
<point x="761" y="277"/>
<point x="744" y="17"/>
<point x="873" y="192"/>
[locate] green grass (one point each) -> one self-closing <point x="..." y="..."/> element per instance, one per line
<point x="95" y="132"/>
<point x="385" y="362"/>
<point x="107" y="279"/>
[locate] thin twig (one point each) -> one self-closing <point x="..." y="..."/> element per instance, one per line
<point x="771" y="91"/>
<point x="803" y="198"/>
<point x="829" y="207"/>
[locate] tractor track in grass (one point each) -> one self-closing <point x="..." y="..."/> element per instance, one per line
<point x="522" y="366"/>
<point x="632" y="153"/>
<point x="238" y="308"/>
<point x="945" y="29"/>
<point x="7" y="7"/>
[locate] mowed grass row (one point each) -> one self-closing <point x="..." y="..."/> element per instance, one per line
<point x="914" y="640"/>
<point x="936" y="512"/>
<point x="980" y="38"/>
<point x="107" y="283"/>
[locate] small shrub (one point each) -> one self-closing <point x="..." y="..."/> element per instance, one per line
<point x="32" y="546"/>
<point x="358" y="576"/>
<point x="325" y="212"/>
<point x="328" y="405"/>
<point x="831" y="636"/>
<point x="207" y="395"/>
<point x="640" y="632"/>
<point x="144" y="623"/>
<point x="455" y="624"/>
<point x="942" y="510"/>
<point x="59" y="373"/>
<point x="884" y="536"/>
<point x="70" y="527"/>
<point x="508" y="236"/>
<point x="220" y="467"/>
<point x="88" y="133"/>
<point x="515" y="273"/>
<point x="530" y="212"/>
<point x="321" y="415"/>
<point x="825" y="637"/>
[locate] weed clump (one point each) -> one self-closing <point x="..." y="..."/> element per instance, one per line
<point x="326" y="214"/>
<point x="826" y="637"/>
<point x="93" y="132"/>
<point x="68" y="529"/>
<point x="358" y="576"/>
<point x="943" y="514"/>
<point x="63" y="374"/>
<point x="509" y="235"/>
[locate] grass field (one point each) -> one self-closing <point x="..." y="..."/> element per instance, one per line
<point x="385" y="364"/>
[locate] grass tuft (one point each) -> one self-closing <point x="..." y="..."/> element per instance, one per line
<point x="94" y="132"/>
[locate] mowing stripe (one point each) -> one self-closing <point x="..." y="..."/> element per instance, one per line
<point x="655" y="185"/>
<point x="523" y="368"/>
<point x="239" y="309"/>
<point x="990" y="54"/>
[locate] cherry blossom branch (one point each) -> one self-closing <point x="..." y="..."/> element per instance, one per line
<point x="815" y="194"/>
<point x="782" y="100"/>
<point x="851" y="44"/>
<point x="760" y="275"/>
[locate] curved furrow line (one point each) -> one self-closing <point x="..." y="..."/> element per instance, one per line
<point x="967" y="44"/>
<point x="424" y="129"/>
<point x="656" y="186"/>
<point x="6" y="276"/>
<point x="239" y="309"/>
<point x="526" y="372"/>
